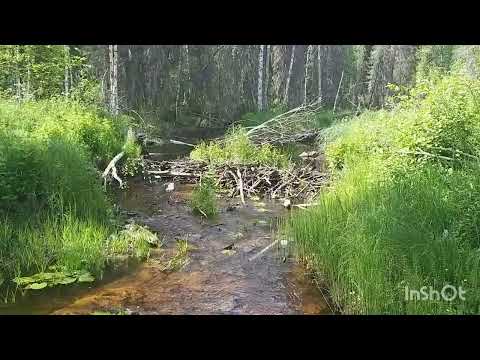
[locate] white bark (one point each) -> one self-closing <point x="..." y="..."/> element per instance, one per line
<point x="289" y="76"/>
<point x="260" y="96"/>
<point x="187" y="64"/>
<point x="319" y="58"/>
<point x="18" y="83"/>
<point x="66" y="78"/>
<point x="338" y="92"/>
<point x="307" y="74"/>
<point x="113" y="51"/>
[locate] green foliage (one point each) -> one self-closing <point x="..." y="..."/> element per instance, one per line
<point x="134" y="241"/>
<point x="203" y="200"/>
<point x="53" y="209"/>
<point x="133" y="153"/>
<point x="238" y="149"/>
<point x="38" y="71"/>
<point x="60" y="276"/>
<point x="180" y="259"/>
<point x="434" y="60"/>
<point x="404" y="208"/>
<point x="256" y="118"/>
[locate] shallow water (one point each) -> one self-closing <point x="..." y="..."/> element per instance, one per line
<point x="214" y="281"/>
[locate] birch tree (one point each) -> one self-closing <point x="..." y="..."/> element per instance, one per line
<point x="261" y="70"/>
<point x="66" y="76"/>
<point x="113" y="52"/>
<point x="319" y="59"/>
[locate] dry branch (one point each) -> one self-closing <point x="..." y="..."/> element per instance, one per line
<point x="111" y="168"/>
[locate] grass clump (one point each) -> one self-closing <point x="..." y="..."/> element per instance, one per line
<point x="135" y="241"/>
<point x="403" y="211"/>
<point x="53" y="210"/>
<point x="237" y="149"/>
<point x="203" y="200"/>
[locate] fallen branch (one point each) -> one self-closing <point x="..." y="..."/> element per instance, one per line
<point x="240" y="186"/>
<point x="261" y="252"/>
<point x="181" y="143"/>
<point x="338" y="91"/>
<point x="111" y="167"/>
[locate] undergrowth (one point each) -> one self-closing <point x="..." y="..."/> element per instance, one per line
<point x="404" y="207"/>
<point x="53" y="210"/>
<point x="236" y="148"/>
<point x="203" y="201"/>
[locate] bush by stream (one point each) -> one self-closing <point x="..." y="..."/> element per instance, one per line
<point x="53" y="209"/>
<point x="404" y="209"/>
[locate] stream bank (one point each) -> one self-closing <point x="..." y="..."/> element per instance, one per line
<point x="218" y="276"/>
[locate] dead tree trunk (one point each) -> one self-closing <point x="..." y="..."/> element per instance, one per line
<point x="307" y="74"/>
<point x="289" y="76"/>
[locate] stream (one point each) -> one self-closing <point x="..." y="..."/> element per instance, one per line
<point x="219" y="277"/>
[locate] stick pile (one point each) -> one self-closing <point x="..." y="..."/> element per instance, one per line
<point x="245" y="181"/>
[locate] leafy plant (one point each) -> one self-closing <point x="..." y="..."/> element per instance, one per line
<point x="60" y="276"/>
<point x="203" y="200"/>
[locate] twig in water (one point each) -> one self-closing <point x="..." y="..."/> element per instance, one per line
<point x="261" y="252"/>
<point x="240" y="186"/>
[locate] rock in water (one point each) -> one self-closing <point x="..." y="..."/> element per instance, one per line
<point x="170" y="187"/>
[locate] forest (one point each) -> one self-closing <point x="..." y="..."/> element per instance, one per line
<point x="240" y="179"/>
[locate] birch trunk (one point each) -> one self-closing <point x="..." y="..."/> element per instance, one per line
<point x="18" y="83"/>
<point x="260" y="96"/>
<point x="113" y="79"/>
<point x="319" y="59"/>
<point x="289" y="76"/>
<point x="66" y="79"/>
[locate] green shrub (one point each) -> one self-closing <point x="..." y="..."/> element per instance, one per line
<point x="238" y="149"/>
<point x="203" y="200"/>
<point x="53" y="210"/>
<point x="404" y="208"/>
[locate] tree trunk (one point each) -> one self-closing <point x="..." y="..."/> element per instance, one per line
<point x="113" y="79"/>
<point x="187" y="64"/>
<point x="267" y="74"/>
<point x="18" y="83"/>
<point x="307" y="74"/>
<point x="260" y="96"/>
<point x="319" y="59"/>
<point x="289" y="76"/>
<point x="66" y="78"/>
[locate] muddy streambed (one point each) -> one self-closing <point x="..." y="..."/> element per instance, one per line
<point x="218" y="277"/>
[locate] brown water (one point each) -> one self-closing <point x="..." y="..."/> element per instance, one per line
<point x="214" y="281"/>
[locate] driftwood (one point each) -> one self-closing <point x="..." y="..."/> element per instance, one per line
<point x="296" y="125"/>
<point x="264" y="250"/>
<point x="245" y="181"/>
<point x="111" y="168"/>
<point x="180" y="143"/>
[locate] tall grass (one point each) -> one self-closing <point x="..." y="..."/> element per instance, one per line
<point x="53" y="209"/>
<point x="395" y="218"/>
<point x="237" y="148"/>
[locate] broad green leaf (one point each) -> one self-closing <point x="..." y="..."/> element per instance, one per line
<point x="67" y="280"/>
<point x="37" y="286"/>
<point x="86" y="278"/>
<point x="23" y="280"/>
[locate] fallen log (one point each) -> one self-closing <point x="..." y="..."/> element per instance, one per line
<point x="111" y="168"/>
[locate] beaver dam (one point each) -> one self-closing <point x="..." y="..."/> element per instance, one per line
<point x="223" y="265"/>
